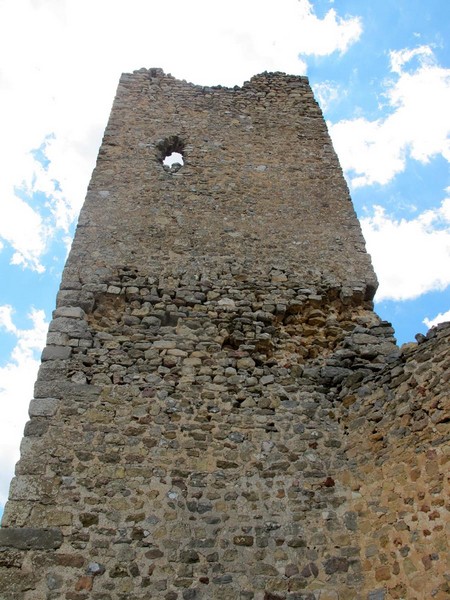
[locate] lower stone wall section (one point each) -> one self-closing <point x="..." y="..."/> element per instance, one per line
<point x="227" y="438"/>
<point x="399" y="454"/>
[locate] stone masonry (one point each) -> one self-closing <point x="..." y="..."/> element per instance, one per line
<point x="219" y="413"/>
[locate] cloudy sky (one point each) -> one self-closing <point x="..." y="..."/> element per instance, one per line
<point x="380" y="70"/>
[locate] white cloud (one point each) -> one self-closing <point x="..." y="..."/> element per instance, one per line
<point x="327" y="92"/>
<point x="439" y="318"/>
<point x="6" y="321"/>
<point x="34" y="208"/>
<point x="417" y="127"/>
<point x="17" y="377"/>
<point x="56" y="89"/>
<point x="23" y="228"/>
<point x="399" y="58"/>
<point x="410" y="257"/>
<point x="324" y="36"/>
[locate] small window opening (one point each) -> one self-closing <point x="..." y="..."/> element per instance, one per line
<point x="173" y="160"/>
<point x="170" y="153"/>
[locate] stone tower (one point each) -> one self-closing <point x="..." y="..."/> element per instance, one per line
<point x="219" y="413"/>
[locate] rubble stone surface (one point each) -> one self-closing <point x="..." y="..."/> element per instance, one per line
<point x="219" y="413"/>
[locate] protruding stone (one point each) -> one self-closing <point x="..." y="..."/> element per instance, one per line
<point x="43" y="407"/>
<point x="72" y="312"/>
<point x="56" y="353"/>
<point x="30" y="538"/>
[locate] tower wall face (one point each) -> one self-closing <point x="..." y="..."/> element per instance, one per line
<point x="209" y="402"/>
<point x="261" y="186"/>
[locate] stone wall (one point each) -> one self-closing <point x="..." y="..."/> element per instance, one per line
<point x="261" y="185"/>
<point x="219" y="412"/>
<point x="398" y="455"/>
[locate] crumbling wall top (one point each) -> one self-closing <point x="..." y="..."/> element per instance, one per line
<point x="257" y="183"/>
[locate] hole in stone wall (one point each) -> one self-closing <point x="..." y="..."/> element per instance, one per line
<point x="170" y="153"/>
<point x="176" y="158"/>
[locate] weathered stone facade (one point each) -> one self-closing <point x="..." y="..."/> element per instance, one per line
<point x="219" y="412"/>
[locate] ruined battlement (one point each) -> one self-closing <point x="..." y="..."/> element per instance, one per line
<point x="219" y="413"/>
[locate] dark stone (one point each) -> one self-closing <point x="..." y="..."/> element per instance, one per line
<point x="154" y="553"/>
<point x="35" y="428"/>
<point x="291" y="570"/>
<point x="297" y="543"/>
<point x="189" y="556"/>
<point x="420" y="338"/>
<point x="88" y="519"/>
<point x="297" y="583"/>
<point x="30" y="538"/>
<point x="70" y="560"/>
<point x="379" y="594"/>
<point x="223" y="579"/>
<point x="336" y="564"/>
<point x="310" y="570"/>
<point x="119" y="571"/>
<point x="226" y="464"/>
<point x="335" y="373"/>
<point x="329" y="482"/>
<point x="213" y="557"/>
<point x="243" y="540"/>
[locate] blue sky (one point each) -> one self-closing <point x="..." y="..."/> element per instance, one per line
<point x="380" y="70"/>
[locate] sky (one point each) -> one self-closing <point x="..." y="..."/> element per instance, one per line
<point x="380" y="71"/>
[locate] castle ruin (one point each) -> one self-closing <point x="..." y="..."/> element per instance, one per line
<point x="219" y="413"/>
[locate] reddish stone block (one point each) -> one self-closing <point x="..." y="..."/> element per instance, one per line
<point x="84" y="583"/>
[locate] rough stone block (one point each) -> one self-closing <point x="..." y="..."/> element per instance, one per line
<point x="61" y="388"/>
<point x="35" y="428"/>
<point x="43" y="407"/>
<point x="56" y="353"/>
<point x="68" y="325"/>
<point x="72" y="312"/>
<point x="57" y="339"/>
<point x="30" y="538"/>
<point x="14" y="582"/>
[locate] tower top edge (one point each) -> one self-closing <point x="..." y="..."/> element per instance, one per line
<point x="156" y="73"/>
